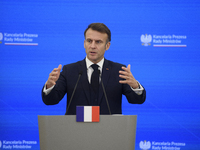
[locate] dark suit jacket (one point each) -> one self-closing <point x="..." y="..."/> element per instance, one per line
<point x="110" y="79"/>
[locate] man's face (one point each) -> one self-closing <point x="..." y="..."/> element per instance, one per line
<point x="95" y="45"/>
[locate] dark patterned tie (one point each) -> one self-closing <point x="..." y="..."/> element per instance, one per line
<point x="95" y="78"/>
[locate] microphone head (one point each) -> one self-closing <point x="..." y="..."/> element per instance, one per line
<point x="80" y="72"/>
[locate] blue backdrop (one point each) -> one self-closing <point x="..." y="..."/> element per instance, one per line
<point x="36" y="36"/>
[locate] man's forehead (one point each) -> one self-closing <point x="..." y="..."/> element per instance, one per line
<point x="95" y="35"/>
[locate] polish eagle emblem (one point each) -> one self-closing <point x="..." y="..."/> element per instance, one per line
<point x="146" y="39"/>
<point x="145" y="145"/>
<point x="1" y="36"/>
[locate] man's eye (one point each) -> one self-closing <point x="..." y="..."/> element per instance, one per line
<point x="98" y="42"/>
<point x="89" y="41"/>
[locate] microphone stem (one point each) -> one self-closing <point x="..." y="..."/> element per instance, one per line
<point x="73" y="93"/>
<point x="106" y="97"/>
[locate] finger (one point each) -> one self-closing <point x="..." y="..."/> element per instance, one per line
<point x="129" y="67"/>
<point x="54" y="78"/>
<point x="59" y="67"/>
<point x="123" y="76"/>
<point x="53" y="73"/>
<point x="124" y="68"/>
<point x="56" y="70"/>
<point x="123" y="81"/>
<point x="123" y="73"/>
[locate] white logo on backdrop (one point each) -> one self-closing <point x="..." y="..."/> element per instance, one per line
<point x="1" y="36"/>
<point x="146" y="39"/>
<point x="144" y="145"/>
<point x="0" y="144"/>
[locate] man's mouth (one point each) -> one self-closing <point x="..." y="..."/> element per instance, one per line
<point x="92" y="52"/>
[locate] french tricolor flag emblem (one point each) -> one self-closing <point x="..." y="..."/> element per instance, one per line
<point x="87" y="113"/>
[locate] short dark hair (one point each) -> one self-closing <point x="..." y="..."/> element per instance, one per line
<point x="100" y="27"/>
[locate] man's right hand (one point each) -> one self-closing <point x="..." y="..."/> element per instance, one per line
<point x="53" y="77"/>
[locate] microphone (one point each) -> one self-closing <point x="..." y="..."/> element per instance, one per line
<point x="105" y="93"/>
<point x="80" y="73"/>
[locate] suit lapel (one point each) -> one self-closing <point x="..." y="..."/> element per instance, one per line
<point x="84" y="80"/>
<point x="104" y="78"/>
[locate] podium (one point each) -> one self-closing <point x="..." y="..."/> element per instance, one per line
<point x="113" y="132"/>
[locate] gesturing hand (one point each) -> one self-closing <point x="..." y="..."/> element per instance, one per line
<point x="127" y="75"/>
<point x="53" y="77"/>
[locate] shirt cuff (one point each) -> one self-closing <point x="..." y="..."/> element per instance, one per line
<point x="138" y="90"/>
<point x="47" y="91"/>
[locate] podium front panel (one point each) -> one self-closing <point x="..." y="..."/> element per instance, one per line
<point x="113" y="132"/>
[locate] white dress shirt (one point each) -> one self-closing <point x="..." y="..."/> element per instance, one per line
<point x="90" y="69"/>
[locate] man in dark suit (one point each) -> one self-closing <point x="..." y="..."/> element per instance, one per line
<point x="116" y="78"/>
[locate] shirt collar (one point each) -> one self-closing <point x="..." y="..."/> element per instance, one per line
<point x="89" y="63"/>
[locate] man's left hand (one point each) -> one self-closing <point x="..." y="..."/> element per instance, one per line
<point x="129" y="78"/>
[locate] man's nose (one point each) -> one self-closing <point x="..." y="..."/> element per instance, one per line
<point x="93" y="45"/>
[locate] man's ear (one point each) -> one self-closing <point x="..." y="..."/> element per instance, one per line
<point x="84" y="43"/>
<point x="108" y="45"/>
